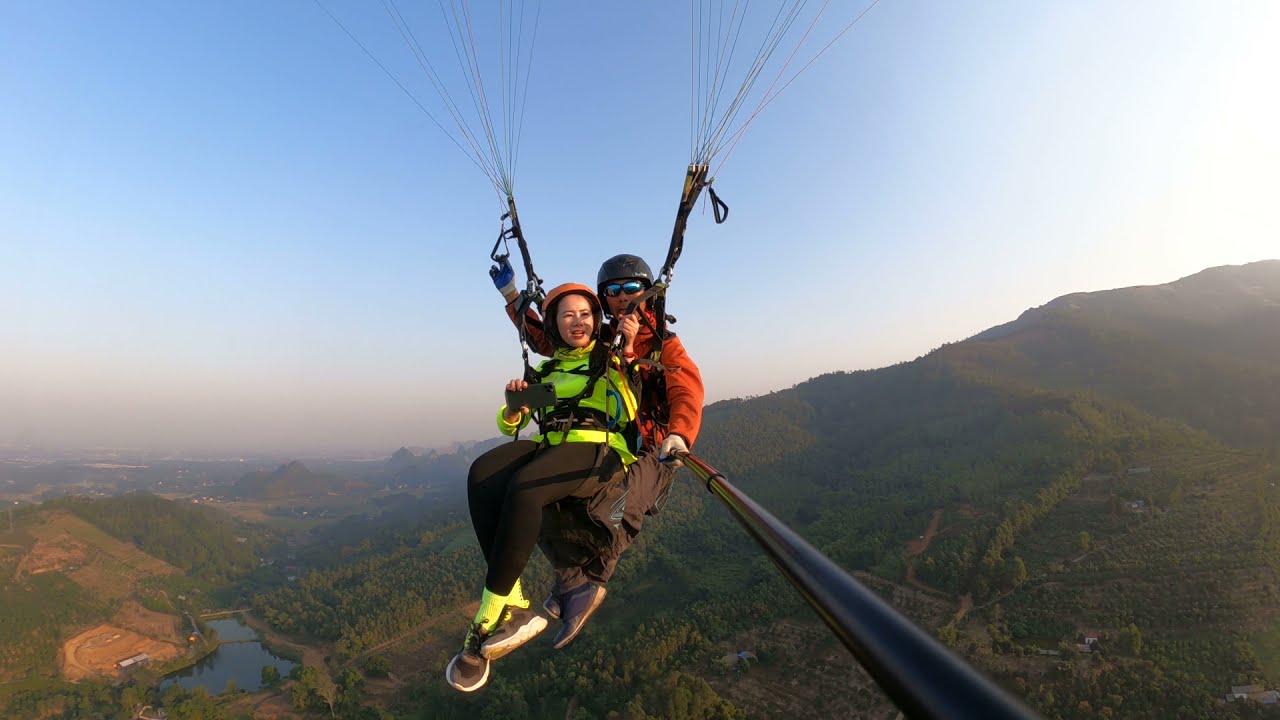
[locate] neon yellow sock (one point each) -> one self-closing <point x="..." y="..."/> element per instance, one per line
<point x="516" y="597"/>
<point x="490" y="612"/>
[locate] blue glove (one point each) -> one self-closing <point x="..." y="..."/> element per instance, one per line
<point x="504" y="277"/>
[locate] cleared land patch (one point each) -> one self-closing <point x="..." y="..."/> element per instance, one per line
<point x="97" y="650"/>
<point x="149" y="622"/>
<point x="89" y="557"/>
<point x="132" y="630"/>
<point x="52" y="554"/>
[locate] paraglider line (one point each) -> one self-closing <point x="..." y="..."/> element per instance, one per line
<point x="738" y="135"/>
<point x="415" y="47"/>
<point x="403" y="89"/>
<point x="772" y="40"/>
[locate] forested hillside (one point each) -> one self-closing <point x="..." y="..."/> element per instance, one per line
<point x="1204" y="349"/>
<point x="1174" y="568"/>
<point x="207" y="544"/>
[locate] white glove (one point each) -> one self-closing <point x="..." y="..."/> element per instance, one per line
<point x="671" y="445"/>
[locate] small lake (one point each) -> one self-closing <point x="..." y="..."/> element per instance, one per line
<point x="240" y="658"/>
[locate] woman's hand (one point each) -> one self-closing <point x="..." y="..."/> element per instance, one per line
<point x="512" y="416"/>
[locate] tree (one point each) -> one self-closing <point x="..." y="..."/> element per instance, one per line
<point x="270" y="675"/>
<point x="1131" y="639"/>
<point x="199" y="706"/>
<point x="300" y="694"/>
<point x="377" y="666"/>
<point x="1018" y="573"/>
<point x="326" y="690"/>
<point x="133" y="697"/>
<point x="948" y="634"/>
<point x="1085" y="541"/>
<point x="304" y="692"/>
<point x="635" y="710"/>
<point x="350" y="690"/>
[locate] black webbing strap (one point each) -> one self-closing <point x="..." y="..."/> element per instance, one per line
<point x="695" y="179"/>
<point x="573" y="419"/>
<point x="517" y="233"/>
<point x="532" y="294"/>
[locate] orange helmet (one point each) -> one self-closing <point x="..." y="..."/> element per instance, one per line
<point x="558" y="293"/>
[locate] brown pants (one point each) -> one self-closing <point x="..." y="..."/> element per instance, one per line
<point x="584" y="536"/>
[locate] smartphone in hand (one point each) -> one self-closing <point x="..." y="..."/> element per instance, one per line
<point x="534" y="397"/>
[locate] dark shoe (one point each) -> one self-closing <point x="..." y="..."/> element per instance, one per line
<point x="518" y="627"/>
<point x="552" y="604"/>
<point x="468" y="671"/>
<point x="576" y="607"/>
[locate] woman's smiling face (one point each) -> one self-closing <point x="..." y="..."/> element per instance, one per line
<point x="575" y="320"/>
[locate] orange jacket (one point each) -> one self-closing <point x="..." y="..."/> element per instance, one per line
<point x="678" y="411"/>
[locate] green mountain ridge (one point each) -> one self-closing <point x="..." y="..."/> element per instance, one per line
<point x="1213" y="302"/>
<point x="1204" y="349"/>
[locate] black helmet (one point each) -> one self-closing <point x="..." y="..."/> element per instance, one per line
<point x="623" y="267"/>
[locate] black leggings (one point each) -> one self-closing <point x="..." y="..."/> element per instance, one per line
<point x="507" y="488"/>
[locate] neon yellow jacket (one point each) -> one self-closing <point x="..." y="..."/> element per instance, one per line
<point x="602" y="398"/>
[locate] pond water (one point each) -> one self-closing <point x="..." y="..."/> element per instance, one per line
<point x="232" y="630"/>
<point x="239" y="661"/>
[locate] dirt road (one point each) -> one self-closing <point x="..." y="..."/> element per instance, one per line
<point x="919" y="545"/>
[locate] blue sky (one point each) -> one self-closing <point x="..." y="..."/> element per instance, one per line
<point x="222" y="227"/>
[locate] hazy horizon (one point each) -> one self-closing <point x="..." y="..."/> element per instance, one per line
<point x="225" y="230"/>
<point x="380" y="451"/>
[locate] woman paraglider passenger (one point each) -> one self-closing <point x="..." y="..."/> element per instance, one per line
<point x="583" y="539"/>
<point x="582" y="444"/>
